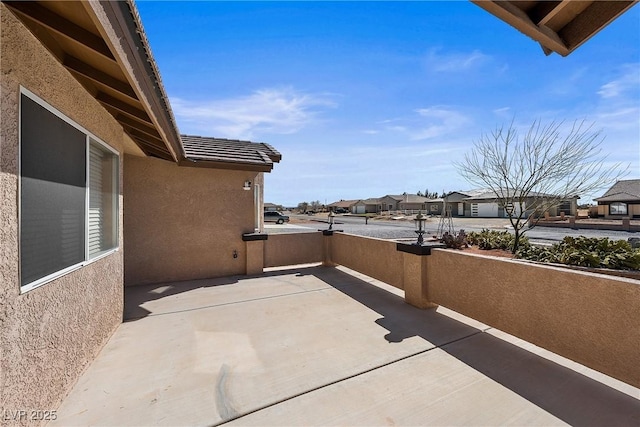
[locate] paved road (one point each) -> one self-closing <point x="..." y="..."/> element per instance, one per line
<point x="402" y="229"/>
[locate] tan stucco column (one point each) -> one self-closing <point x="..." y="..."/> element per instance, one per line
<point x="326" y="248"/>
<point x="415" y="283"/>
<point x="255" y="252"/>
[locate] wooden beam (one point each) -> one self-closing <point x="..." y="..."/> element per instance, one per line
<point x="518" y="19"/>
<point x="564" y="13"/>
<point x="79" y="67"/>
<point x="150" y="139"/>
<point x="123" y="107"/>
<point x="60" y="25"/>
<point x="147" y="130"/>
<point x="151" y="149"/>
<point x="592" y="20"/>
<point x="541" y="10"/>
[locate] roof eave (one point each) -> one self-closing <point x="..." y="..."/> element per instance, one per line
<point x="121" y="29"/>
<point x="212" y="164"/>
<point x="560" y="26"/>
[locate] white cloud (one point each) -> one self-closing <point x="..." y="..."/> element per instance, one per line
<point x="628" y="81"/>
<point x="502" y="112"/>
<point x="436" y="122"/>
<point x="427" y="123"/>
<point x="270" y="110"/>
<point x="449" y="62"/>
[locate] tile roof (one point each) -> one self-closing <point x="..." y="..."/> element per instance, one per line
<point x="410" y="198"/>
<point x="370" y="201"/>
<point x="229" y="153"/>
<point x="625" y="190"/>
<point x="344" y="203"/>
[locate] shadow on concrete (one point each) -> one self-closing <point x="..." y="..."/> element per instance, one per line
<point x="564" y="393"/>
<point x="136" y="296"/>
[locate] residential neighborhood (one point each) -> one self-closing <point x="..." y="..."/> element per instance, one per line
<point x="140" y="285"/>
<point x="479" y="203"/>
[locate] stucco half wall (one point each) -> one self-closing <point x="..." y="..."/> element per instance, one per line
<point x="184" y="223"/>
<point x="377" y="258"/>
<point x="590" y="318"/>
<point x="293" y="248"/>
<point x="49" y="334"/>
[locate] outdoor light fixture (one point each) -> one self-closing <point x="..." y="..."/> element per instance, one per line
<point x="509" y="208"/>
<point x="331" y="216"/>
<point x="247" y="185"/>
<point x="420" y="220"/>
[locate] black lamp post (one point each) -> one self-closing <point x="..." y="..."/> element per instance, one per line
<point x="419" y="221"/>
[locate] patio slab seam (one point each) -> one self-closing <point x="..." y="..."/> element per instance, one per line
<point x="349" y="377"/>
<point x="186" y="310"/>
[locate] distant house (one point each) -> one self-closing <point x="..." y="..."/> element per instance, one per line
<point x="434" y="206"/>
<point x="389" y="203"/>
<point x="366" y="206"/>
<point x="483" y="203"/>
<point x="621" y="200"/>
<point x="455" y="201"/>
<point x="342" y="204"/>
<point x="410" y="202"/>
<point x="270" y="207"/>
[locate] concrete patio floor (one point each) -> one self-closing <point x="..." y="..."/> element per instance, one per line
<point x="325" y="346"/>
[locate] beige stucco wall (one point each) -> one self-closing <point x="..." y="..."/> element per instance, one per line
<point x="590" y="318"/>
<point x="293" y="248"/>
<point x="377" y="258"/>
<point x="184" y="223"/>
<point x="47" y="335"/>
<point x="632" y="210"/>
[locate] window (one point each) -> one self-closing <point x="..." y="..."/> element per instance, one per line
<point x="618" y="208"/>
<point x="68" y="194"/>
<point x="565" y="207"/>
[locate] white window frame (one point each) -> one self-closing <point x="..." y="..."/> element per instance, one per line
<point x="89" y="137"/>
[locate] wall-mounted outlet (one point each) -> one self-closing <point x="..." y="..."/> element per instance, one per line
<point x="235" y="253"/>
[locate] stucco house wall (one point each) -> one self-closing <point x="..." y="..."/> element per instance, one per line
<point x="388" y="203"/>
<point x="633" y="210"/>
<point x="48" y="335"/>
<point x="179" y="226"/>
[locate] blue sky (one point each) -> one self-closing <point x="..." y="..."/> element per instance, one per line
<point x="365" y="99"/>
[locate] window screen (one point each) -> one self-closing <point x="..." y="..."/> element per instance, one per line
<point x="68" y="194"/>
<point x="52" y="193"/>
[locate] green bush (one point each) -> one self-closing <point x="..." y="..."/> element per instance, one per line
<point x="491" y="239"/>
<point x="587" y="252"/>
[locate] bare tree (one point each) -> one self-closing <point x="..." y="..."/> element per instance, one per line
<point x="536" y="172"/>
<point x="316" y="205"/>
<point x="302" y="207"/>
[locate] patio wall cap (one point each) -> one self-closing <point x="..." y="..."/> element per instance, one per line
<point x="250" y="237"/>
<point x="424" y="249"/>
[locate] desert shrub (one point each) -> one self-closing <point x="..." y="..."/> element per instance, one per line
<point x="455" y="241"/>
<point x="492" y="239"/>
<point x="587" y="252"/>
